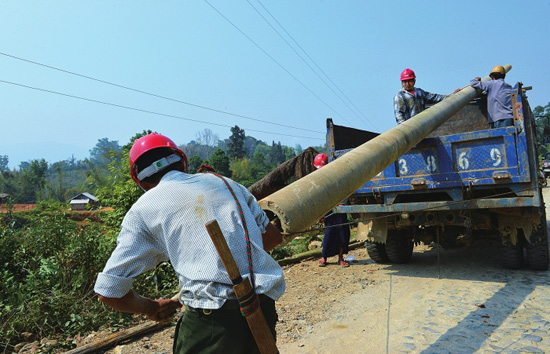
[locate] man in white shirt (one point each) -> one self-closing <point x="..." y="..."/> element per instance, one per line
<point x="167" y="223"/>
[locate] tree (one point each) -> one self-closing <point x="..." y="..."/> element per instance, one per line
<point x="259" y="167"/>
<point x="117" y="189"/>
<point x="236" y="143"/>
<point x="241" y="172"/>
<point x="542" y="121"/>
<point x="250" y="145"/>
<point x="56" y="190"/>
<point x="277" y="156"/>
<point x="33" y="180"/>
<point x="4" y="160"/>
<point x="209" y="140"/>
<point x="195" y="162"/>
<point x="288" y="152"/>
<point x="220" y="162"/>
<point x="9" y="183"/>
<point x="101" y="153"/>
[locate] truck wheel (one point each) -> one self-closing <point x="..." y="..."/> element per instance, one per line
<point x="376" y="251"/>
<point x="512" y="255"/>
<point x="398" y="247"/>
<point x="537" y="250"/>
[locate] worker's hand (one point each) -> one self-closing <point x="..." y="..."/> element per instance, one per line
<point x="272" y="237"/>
<point x="166" y="309"/>
<point x="457" y="90"/>
<point x="477" y="78"/>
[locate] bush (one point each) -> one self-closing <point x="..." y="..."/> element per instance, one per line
<point x="49" y="266"/>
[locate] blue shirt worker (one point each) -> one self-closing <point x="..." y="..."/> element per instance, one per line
<point x="499" y="98"/>
<point x="410" y="100"/>
<point x="167" y="223"/>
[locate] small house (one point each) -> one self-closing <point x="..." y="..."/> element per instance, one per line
<point x="83" y="201"/>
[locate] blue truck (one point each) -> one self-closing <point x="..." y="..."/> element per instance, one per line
<point x="461" y="183"/>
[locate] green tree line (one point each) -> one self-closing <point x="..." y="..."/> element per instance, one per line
<point x="542" y="121"/>
<point x="240" y="157"/>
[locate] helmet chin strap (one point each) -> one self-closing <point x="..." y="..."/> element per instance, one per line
<point x="157" y="166"/>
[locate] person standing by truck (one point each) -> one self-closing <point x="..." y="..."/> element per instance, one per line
<point x="167" y="223"/>
<point x="411" y="100"/>
<point x="499" y="98"/>
<point x="337" y="234"/>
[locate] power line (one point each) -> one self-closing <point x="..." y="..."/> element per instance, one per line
<point x="151" y="94"/>
<point x="298" y="54"/>
<point x="147" y="111"/>
<point x="313" y="61"/>
<point x="274" y="60"/>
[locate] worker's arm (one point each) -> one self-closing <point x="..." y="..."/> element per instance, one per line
<point x="160" y="310"/>
<point x="399" y="109"/>
<point x="272" y="237"/>
<point x="480" y="85"/>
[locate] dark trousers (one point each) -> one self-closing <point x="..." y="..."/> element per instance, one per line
<point x="222" y="331"/>
<point x="503" y="123"/>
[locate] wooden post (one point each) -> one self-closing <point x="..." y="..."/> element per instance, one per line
<point x="119" y="337"/>
<point x="243" y="289"/>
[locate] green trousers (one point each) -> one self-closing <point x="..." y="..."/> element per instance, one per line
<point x="223" y="331"/>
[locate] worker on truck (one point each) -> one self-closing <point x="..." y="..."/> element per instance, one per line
<point x="167" y="223"/>
<point x="411" y="100"/>
<point x="499" y="98"/>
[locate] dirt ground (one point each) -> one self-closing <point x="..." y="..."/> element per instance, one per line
<point x="16" y="207"/>
<point x="443" y="301"/>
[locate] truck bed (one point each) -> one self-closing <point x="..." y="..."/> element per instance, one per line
<point x="461" y="160"/>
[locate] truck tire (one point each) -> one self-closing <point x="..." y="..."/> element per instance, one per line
<point x="512" y="255"/>
<point x="376" y="251"/>
<point x="398" y="246"/>
<point x="537" y="249"/>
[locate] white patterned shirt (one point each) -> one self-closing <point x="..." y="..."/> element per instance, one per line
<point x="406" y="105"/>
<point x="167" y="223"/>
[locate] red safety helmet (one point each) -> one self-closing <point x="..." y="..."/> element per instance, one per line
<point x="320" y="160"/>
<point x="150" y="142"/>
<point x="407" y="74"/>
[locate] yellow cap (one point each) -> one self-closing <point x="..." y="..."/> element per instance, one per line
<point x="498" y="69"/>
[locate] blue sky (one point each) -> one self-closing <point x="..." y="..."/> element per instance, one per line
<point x="223" y="56"/>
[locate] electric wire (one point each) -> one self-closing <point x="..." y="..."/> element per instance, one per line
<point x="152" y="94"/>
<point x="274" y="60"/>
<point x="313" y="61"/>
<point x="149" y="112"/>
<point x="300" y="56"/>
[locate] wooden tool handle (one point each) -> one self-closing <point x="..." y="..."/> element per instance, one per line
<point x="223" y="250"/>
<point x="256" y="320"/>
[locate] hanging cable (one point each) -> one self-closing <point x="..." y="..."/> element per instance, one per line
<point x="150" y="112"/>
<point x="274" y="60"/>
<point x="313" y="61"/>
<point x="152" y="94"/>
